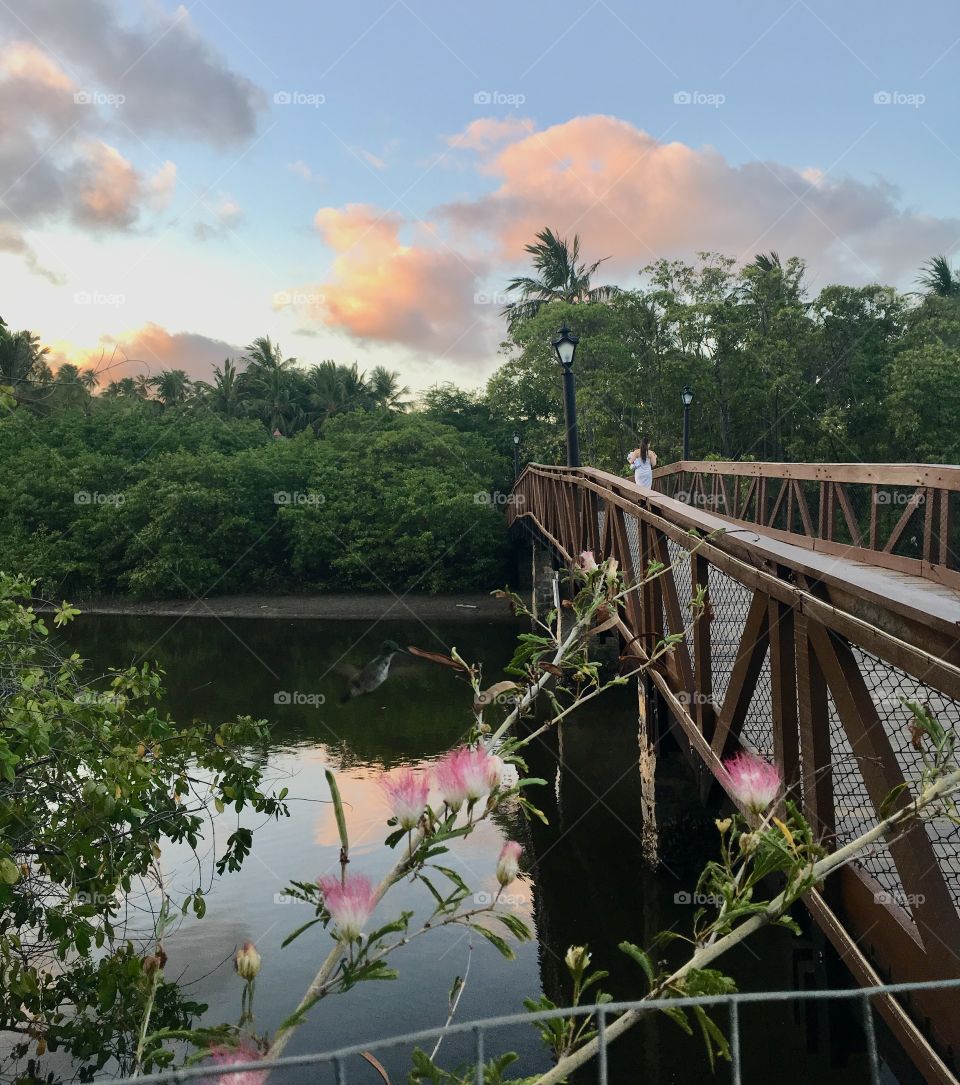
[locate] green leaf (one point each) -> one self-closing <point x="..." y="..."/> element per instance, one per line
<point x="635" y="953"/>
<point x="494" y="939"/>
<point x="338" y="810"/>
<point x="304" y="927"/>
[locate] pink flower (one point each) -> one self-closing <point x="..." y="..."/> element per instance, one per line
<point x="467" y="774"/>
<point x="407" y="794"/>
<point x="755" y="782"/>
<point x="509" y="862"/>
<point x="350" y="903"/>
<point x="232" y="1056"/>
<point x="587" y="561"/>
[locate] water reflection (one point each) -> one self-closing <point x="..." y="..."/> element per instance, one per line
<point x="584" y="881"/>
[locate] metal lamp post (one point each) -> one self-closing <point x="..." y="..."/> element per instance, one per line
<point x="687" y="396"/>
<point x="516" y="454"/>
<point x="566" y="347"/>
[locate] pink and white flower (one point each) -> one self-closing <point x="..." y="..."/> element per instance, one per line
<point x="587" y="561"/>
<point x="754" y="782"/>
<point x="350" y="903"/>
<point x="467" y="774"/>
<point x="233" y="1056"/>
<point x="407" y="792"/>
<point x="508" y="865"/>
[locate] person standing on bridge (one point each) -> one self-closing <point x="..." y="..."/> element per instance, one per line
<point x="643" y="460"/>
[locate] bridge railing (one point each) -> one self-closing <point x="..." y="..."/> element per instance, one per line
<point x="809" y="659"/>
<point x="906" y="516"/>
<point x="480" y="1050"/>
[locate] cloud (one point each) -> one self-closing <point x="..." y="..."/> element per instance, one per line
<point x="301" y="169"/>
<point x="382" y="289"/>
<point x="487" y="132"/>
<point x="109" y="189"/>
<point x="147" y="350"/>
<point x="636" y="199"/>
<point x="171" y="80"/>
<point x="92" y="80"/>
<point x="227" y="214"/>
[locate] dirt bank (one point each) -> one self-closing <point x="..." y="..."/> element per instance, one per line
<point x="471" y="607"/>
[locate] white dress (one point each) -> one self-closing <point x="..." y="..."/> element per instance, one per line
<point x="643" y="472"/>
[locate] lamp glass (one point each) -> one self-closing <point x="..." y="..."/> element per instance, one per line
<point x="565" y="351"/>
<point x="687" y="396"/>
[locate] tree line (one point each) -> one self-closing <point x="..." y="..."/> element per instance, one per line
<point x="165" y="486"/>
<point x="778" y="373"/>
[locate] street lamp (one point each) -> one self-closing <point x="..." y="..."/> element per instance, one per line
<point x="566" y="347"/>
<point x="687" y="396"/>
<point x="516" y="454"/>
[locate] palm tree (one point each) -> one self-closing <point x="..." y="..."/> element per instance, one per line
<point x="89" y="379"/>
<point x="384" y="385"/>
<point x="263" y="354"/>
<point x="561" y="278"/>
<point x="938" y="279"/>
<point x="144" y="389"/>
<point x="172" y="386"/>
<point x="124" y="388"/>
<point x="224" y="394"/>
<point x="22" y="362"/>
<point x="273" y="398"/>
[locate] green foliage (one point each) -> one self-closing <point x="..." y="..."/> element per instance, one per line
<point x="127" y="498"/>
<point x="93" y="781"/>
<point x="853" y="373"/>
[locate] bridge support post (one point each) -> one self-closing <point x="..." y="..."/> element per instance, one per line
<point x="647" y="739"/>
<point x="542" y="575"/>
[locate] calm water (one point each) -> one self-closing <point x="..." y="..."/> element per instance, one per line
<point x="583" y="883"/>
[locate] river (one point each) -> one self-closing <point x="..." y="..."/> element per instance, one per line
<point x="583" y="880"/>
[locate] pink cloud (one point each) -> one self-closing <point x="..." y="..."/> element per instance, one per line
<point x="487" y="132"/>
<point x="636" y="199"/>
<point x="147" y="350"/>
<point x="383" y="289"/>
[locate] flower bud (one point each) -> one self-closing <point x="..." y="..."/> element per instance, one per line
<point x="577" y="959"/>
<point x="509" y="862"/>
<point x="247" y="961"/>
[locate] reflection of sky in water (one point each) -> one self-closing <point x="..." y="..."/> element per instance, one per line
<point x="591" y="886"/>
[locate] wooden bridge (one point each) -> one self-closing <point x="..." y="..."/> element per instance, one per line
<point x="831" y="601"/>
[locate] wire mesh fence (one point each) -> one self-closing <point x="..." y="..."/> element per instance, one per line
<point x="343" y="1064"/>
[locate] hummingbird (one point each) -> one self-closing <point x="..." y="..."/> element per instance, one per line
<point x="373" y="674"/>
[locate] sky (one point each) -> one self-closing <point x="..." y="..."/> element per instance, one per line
<point x="358" y="181"/>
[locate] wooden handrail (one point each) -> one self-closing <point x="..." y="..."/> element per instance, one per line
<point x="940" y="476"/>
